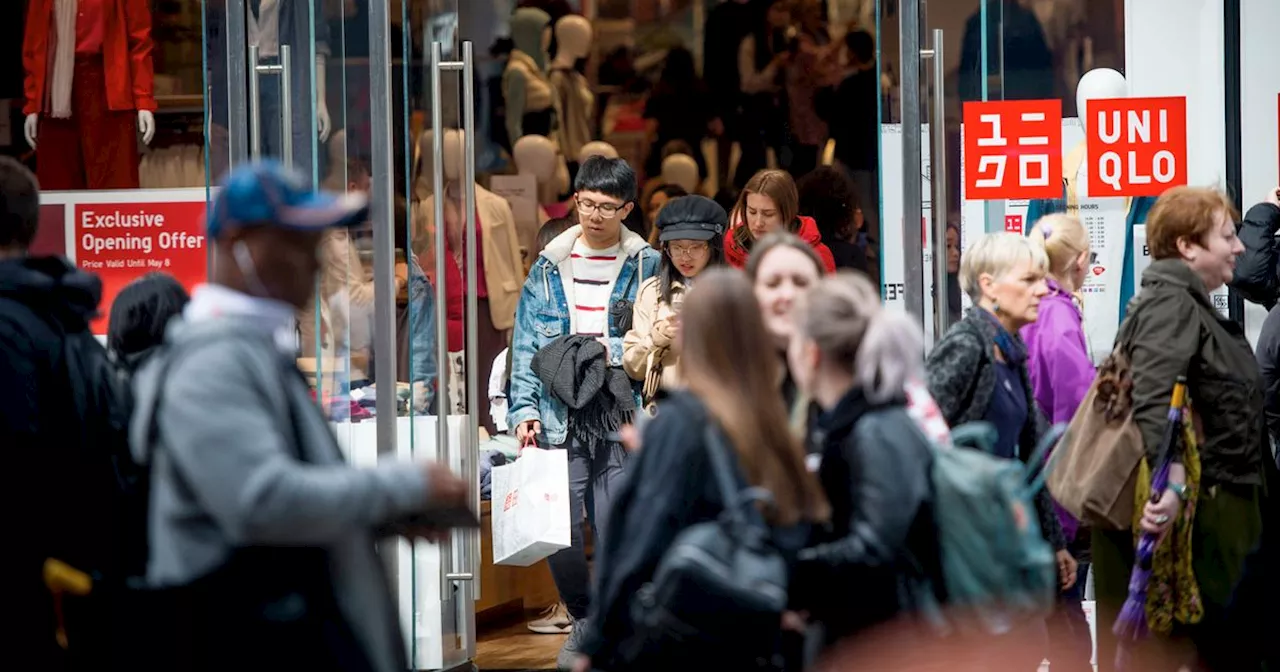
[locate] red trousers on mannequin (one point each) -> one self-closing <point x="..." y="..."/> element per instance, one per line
<point x="96" y="148"/>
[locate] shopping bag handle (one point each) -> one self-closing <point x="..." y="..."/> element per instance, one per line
<point x="530" y="442"/>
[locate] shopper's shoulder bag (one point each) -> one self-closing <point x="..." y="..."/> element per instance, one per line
<point x="1099" y="456"/>
<point x="721" y="583"/>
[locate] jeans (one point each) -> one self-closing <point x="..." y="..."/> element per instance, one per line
<point x="592" y="480"/>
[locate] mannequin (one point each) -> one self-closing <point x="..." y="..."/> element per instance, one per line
<point x="88" y="84"/>
<point x="575" y="103"/>
<point x="501" y="267"/>
<point x="275" y="23"/>
<point x="681" y="170"/>
<point x="538" y="156"/>
<point x="530" y="100"/>
<point x="1112" y="222"/>
<point x="597" y="148"/>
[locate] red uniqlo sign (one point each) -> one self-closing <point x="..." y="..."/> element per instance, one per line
<point x="1013" y="223"/>
<point x="1137" y="146"/>
<point x="123" y="241"/>
<point x="1013" y="149"/>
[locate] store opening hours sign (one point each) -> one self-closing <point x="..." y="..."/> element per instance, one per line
<point x="122" y="240"/>
<point x="1136" y="146"/>
<point x="1013" y="149"/>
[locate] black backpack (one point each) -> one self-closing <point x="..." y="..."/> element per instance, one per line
<point x="101" y="494"/>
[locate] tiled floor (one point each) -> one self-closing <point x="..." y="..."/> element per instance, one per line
<point x="513" y="647"/>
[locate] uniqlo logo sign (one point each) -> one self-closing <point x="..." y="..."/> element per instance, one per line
<point x="1137" y="146"/>
<point x="1013" y="149"/>
<point x="1013" y="223"/>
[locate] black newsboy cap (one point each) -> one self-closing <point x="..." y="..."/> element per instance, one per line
<point x="691" y="218"/>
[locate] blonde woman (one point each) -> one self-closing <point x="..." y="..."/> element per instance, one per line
<point x="1061" y="372"/>
<point x="978" y="371"/>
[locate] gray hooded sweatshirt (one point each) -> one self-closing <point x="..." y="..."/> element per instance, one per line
<point x="222" y="419"/>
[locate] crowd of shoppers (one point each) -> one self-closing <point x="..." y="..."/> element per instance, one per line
<point x="732" y="330"/>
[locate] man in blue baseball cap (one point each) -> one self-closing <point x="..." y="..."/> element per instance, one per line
<point x="251" y="500"/>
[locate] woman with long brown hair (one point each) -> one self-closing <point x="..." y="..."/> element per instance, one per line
<point x="770" y="203"/>
<point x="671" y="484"/>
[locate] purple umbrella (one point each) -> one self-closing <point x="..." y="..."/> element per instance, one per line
<point x="1131" y="625"/>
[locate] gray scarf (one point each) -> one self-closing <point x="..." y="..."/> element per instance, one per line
<point x="601" y="399"/>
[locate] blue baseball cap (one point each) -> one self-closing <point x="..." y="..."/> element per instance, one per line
<point x="265" y="193"/>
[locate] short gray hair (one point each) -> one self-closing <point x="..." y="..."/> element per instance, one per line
<point x="996" y="254"/>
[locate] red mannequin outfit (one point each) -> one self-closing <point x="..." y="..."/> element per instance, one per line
<point x="88" y="94"/>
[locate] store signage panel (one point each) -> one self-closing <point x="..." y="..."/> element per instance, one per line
<point x="1013" y="149"/>
<point x="121" y="236"/>
<point x="1136" y="146"/>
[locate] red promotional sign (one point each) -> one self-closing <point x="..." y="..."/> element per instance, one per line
<point x="1013" y="149"/>
<point x="1137" y="146"/>
<point x="123" y="241"/>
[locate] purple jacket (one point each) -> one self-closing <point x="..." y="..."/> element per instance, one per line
<point x="1058" y="364"/>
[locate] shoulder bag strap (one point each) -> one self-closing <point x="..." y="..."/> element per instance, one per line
<point x="737" y="496"/>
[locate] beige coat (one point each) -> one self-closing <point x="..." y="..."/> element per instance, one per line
<point x="639" y="350"/>
<point x="503" y="264"/>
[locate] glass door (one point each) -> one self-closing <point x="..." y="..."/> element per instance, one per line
<point x="954" y="58"/>
<point x="353" y="95"/>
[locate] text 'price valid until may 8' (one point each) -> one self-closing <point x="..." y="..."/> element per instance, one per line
<point x="1136" y="146"/>
<point x="121" y="242"/>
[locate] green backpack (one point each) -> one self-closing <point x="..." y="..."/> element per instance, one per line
<point x="997" y="568"/>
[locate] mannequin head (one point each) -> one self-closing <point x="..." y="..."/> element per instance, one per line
<point x="529" y="32"/>
<point x="536" y="155"/>
<point x="681" y="170"/>
<point x="453" y="140"/>
<point x="597" y="148"/>
<point x="1098" y="84"/>
<point x="573" y="39"/>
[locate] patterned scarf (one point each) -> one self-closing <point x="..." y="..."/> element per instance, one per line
<point x="1015" y="351"/>
<point x="1173" y="596"/>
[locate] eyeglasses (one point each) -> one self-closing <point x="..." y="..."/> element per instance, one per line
<point x="607" y="210"/>
<point x="690" y="251"/>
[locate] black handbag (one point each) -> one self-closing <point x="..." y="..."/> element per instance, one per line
<point x="722" y="583"/>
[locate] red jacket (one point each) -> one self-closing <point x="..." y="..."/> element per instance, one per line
<point x="126" y="55"/>
<point x="808" y="232"/>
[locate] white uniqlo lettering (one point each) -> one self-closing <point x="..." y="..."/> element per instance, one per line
<point x="1138" y="127"/>
<point x="996" y="139"/>
<point x="1027" y="161"/>
<point x="986" y="163"/>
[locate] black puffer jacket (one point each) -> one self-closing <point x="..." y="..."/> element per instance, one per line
<point x="881" y="542"/>
<point x="1257" y="276"/>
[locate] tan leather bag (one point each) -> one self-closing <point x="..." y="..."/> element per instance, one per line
<point x="1098" y="457"/>
<point x="652" y="376"/>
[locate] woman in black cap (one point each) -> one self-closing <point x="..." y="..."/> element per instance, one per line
<point x="691" y="235"/>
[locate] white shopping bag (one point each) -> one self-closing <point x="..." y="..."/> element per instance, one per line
<point x="530" y="507"/>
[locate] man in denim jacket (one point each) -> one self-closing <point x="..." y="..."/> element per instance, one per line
<point x="583" y="283"/>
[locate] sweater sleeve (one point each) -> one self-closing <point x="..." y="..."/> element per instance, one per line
<point x="638" y="342"/>
<point x="1061" y="371"/>
<point x="950" y="371"/>
<point x="221" y="428"/>
<point x="754" y="81"/>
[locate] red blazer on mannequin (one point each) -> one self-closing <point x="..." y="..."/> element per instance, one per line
<point x="126" y="55"/>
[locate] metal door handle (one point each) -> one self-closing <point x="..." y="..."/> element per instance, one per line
<point x="467" y="457"/>
<point x="285" y="71"/>
<point x="938" y="165"/>
<point x="471" y="443"/>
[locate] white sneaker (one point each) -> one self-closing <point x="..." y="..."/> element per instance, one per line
<point x="554" y="621"/>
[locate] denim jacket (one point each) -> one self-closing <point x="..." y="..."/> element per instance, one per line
<point x="543" y="315"/>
